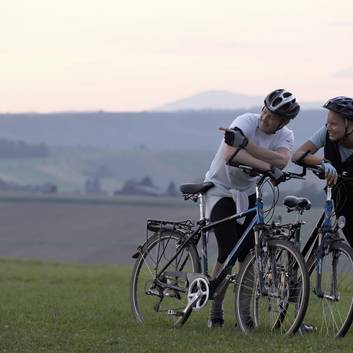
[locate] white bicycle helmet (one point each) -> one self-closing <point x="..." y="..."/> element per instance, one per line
<point x="283" y="103"/>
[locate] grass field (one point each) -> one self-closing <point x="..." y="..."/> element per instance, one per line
<point x="50" y="307"/>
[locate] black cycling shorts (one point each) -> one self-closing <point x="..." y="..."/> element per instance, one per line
<point x="228" y="233"/>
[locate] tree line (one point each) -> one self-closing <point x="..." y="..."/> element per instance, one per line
<point x="20" y="149"/>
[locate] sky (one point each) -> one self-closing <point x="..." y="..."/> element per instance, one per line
<point x="119" y="55"/>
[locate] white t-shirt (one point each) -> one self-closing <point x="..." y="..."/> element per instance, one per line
<point x="229" y="180"/>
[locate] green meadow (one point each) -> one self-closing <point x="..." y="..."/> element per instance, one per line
<point x="68" y="308"/>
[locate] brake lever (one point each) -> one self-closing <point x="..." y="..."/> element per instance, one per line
<point x="319" y="173"/>
<point x="290" y="175"/>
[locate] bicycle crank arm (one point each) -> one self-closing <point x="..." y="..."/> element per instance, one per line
<point x="191" y="303"/>
<point x="188" y="307"/>
<point x="175" y="312"/>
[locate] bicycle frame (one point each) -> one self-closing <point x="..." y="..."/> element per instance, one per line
<point x="315" y="245"/>
<point x="174" y="262"/>
<point x="206" y="226"/>
<point x="324" y="225"/>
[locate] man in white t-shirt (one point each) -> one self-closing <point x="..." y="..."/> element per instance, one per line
<point x="262" y="141"/>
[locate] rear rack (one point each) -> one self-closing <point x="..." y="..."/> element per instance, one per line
<point x="156" y="225"/>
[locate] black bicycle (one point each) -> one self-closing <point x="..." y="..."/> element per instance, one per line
<point x="329" y="261"/>
<point x="170" y="279"/>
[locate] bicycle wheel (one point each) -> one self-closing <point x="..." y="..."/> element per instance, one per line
<point x="279" y="304"/>
<point x="152" y="302"/>
<point x="332" y="312"/>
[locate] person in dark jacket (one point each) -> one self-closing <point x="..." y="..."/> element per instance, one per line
<point x="336" y="137"/>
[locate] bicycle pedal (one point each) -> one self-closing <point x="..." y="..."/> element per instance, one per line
<point x="174" y="312"/>
<point x="153" y="291"/>
<point x="233" y="278"/>
<point x="171" y="293"/>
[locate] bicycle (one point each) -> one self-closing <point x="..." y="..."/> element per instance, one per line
<point x="329" y="262"/>
<point x="169" y="276"/>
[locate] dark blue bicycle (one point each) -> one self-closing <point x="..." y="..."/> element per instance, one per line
<point x="170" y="279"/>
<point x="329" y="261"/>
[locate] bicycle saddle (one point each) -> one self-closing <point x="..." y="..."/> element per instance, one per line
<point x="300" y="203"/>
<point x="196" y="188"/>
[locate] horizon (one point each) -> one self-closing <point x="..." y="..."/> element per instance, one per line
<point x="160" y="108"/>
<point x="132" y="57"/>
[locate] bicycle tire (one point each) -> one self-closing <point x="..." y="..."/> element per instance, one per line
<point x="282" y="309"/>
<point x="155" y="253"/>
<point x="329" y="316"/>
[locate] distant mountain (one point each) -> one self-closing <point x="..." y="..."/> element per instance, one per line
<point x="221" y="100"/>
<point x="213" y="100"/>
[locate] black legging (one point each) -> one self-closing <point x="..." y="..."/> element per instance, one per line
<point x="344" y="207"/>
<point x="228" y="233"/>
<point x="348" y="229"/>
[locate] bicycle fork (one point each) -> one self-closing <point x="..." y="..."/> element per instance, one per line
<point x="261" y="251"/>
<point x="333" y="296"/>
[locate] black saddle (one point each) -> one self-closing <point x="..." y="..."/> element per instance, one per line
<point x="196" y="188"/>
<point x="298" y="203"/>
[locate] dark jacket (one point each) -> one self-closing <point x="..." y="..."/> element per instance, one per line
<point x="345" y="192"/>
<point x="332" y="153"/>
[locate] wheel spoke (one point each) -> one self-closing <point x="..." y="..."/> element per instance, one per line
<point x="281" y="307"/>
<point x="333" y="314"/>
<point x="157" y="300"/>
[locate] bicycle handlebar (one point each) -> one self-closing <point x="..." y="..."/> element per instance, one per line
<point x="264" y="174"/>
<point x="319" y="171"/>
<point x="316" y="169"/>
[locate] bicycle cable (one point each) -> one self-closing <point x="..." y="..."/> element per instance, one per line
<point x="269" y="213"/>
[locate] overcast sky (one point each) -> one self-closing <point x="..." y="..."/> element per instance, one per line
<point x="121" y="55"/>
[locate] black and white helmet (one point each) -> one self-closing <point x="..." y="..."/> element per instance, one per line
<point x="283" y="103"/>
<point x="341" y="105"/>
